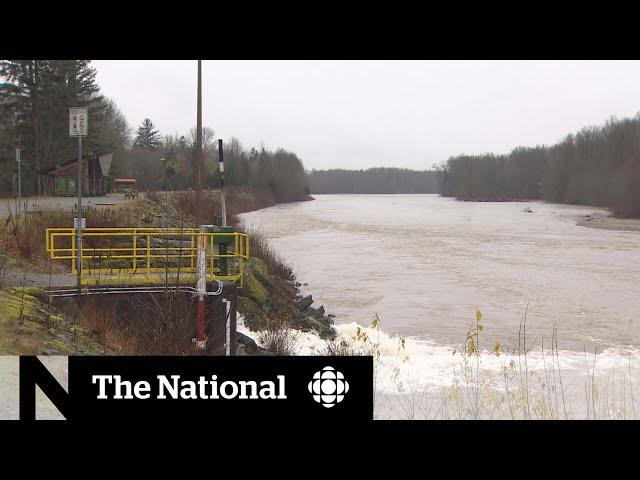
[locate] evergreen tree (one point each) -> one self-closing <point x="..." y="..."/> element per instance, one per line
<point x="36" y="97"/>
<point x="147" y="136"/>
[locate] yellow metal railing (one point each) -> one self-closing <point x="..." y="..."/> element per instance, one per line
<point x="145" y="254"/>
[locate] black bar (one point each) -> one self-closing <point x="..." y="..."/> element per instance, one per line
<point x="221" y="162"/>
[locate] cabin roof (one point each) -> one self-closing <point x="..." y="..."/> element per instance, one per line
<point x="53" y="169"/>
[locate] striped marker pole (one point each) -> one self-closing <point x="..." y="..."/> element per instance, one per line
<point x="223" y="207"/>
<point x="201" y="336"/>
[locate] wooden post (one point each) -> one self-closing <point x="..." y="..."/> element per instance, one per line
<point x="199" y="166"/>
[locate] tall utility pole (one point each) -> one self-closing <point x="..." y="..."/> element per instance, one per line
<point x="200" y="169"/>
<point x="201" y="337"/>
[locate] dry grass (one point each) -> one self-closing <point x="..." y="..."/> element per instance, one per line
<point x="342" y="347"/>
<point x="142" y="324"/>
<point x="23" y="236"/>
<point x="237" y="200"/>
<point x="279" y="339"/>
<point x="518" y="390"/>
<point x="261" y="249"/>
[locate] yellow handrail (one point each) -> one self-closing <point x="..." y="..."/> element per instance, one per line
<point x="104" y="250"/>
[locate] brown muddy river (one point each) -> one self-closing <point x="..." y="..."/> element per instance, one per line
<point x="425" y="263"/>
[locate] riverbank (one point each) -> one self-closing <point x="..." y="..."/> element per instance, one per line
<point x="270" y="300"/>
<point x="603" y="221"/>
<point x="610" y="222"/>
<point x="30" y="325"/>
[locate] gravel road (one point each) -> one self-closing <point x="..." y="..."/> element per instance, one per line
<point x="32" y="204"/>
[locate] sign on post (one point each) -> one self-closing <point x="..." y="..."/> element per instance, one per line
<point x="78" y="122"/>
<point x="78" y="127"/>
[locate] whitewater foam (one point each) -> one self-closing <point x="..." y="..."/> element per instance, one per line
<point x="418" y="364"/>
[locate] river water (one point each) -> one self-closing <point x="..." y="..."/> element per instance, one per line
<point x="424" y="264"/>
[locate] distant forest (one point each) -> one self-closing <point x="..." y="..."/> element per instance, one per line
<point x="597" y="166"/>
<point x="373" y="180"/>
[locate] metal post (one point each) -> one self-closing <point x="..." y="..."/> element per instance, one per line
<point x="79" y="215"/>
<point x="233" y="321"/>
<point x="19" y="181"/>
<point x="78" y="127"/>
<point x="223" y="207"/>
<point x="218" y="322"/>
<point x="227" y="327"/>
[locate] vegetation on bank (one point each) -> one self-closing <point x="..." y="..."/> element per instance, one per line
<point x="269" y="301"/>
<point x="30" y="325"/>
<point x="597" y="166"/>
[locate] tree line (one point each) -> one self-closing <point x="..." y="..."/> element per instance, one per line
<point x="599" y="165"/>
<point x="373" y="180"/>
<point x="279" y="171"/>
<point x="35" y="96"/>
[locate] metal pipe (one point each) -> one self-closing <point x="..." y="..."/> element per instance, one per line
<point x="233" y="321"/>
<point x="227" y="336"/>
<point x="70" y="292"/>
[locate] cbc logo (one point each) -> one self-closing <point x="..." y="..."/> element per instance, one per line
<point x="328" y="387"/>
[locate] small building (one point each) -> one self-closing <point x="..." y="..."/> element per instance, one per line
<point x="121" y="185"/>
<point x="61" y="179"/>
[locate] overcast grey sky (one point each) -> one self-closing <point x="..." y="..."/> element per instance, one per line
<point x="358" y="114"/>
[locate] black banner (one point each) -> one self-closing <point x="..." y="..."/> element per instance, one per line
<point x="190" y="387"/>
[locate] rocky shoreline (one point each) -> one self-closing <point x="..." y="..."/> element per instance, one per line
<point x="298" y="314"/>
<point x="306" y="319"/>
